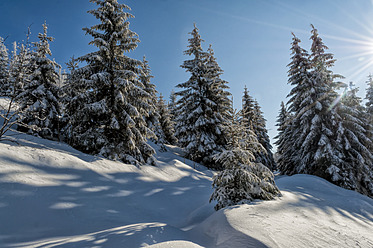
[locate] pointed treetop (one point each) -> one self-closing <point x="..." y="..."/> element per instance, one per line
<point x="319" y="57"/>
<point x="195" y="42"/>
<point x="43" y="45"/>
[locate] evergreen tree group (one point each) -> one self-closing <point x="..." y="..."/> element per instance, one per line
<point x="320" y="132"/>
<point x="109" y="106"/>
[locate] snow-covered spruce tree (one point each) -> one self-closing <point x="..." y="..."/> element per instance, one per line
<point x="264" y="157"/>
<point x="145" y="78"/>
<point x="172" y="105"/>
<point x="109" y="110"/>
<point x="320" y="151"/>
<point x="254" y="117"/>
<point x="165" y="130"/>
<point x="39" y="100"/>
<point x="220" y="96"/>
<point x="355" y="136"/>
<point x="283" y="120"/>
<point x="314" y="126"/>
<point x="300" y="79"/>
<point x="4" y="67"/>
<point x="242" y="180"/>
<point x="248" y="108"/>
<point x="200" y="108"/>
<point x="68" y="92"/>
<point x="369" y="98"/>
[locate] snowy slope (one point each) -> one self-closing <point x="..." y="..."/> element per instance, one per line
<point x="311" y="213"/>
<point x="54" y="196"/>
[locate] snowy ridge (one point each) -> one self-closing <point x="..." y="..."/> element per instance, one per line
<point x="54" y="196"/>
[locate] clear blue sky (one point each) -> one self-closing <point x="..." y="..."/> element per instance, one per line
<point x="251" y="38"/>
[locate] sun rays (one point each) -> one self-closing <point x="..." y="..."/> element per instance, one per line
<point x="354" y="48"/>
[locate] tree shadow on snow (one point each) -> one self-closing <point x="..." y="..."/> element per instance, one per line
<point x="318" y="194"/>
<point x="70" y="207"/>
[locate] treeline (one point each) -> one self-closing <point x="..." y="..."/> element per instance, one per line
<point x="110" y="107"/>
<point x="107" y="105"/>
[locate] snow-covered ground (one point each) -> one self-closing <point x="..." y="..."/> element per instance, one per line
<point x="54" y="196"/>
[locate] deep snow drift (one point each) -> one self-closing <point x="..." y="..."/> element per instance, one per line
<point x="54" y="196"/>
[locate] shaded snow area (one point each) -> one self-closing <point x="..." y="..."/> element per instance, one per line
<point x="54" y="196"/>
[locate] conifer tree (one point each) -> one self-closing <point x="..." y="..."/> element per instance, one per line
<point x="319" y="150"/>
<point x="165" y="131"/>
<point x="172" y="105"/>
<point x="283" y="122"/>
<point x="145" y="78"/>
<point x="4" y="67"/>
<point x="300" y="79"/>
<point x="40" y="98"/>
<point x="355" y="136"/>
<point x="111" y="103"/>
<point x="202" y="104"/>
<point x="242" y="180"/>
<point x="68" y="93"/>
<point x="248" y="103"/>
<point x="255" y="119"/>
<point x="265" y="157"/>
<point x="219" y="87"/>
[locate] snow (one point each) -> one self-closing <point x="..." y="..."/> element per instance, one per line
<point x="54" y="196"/>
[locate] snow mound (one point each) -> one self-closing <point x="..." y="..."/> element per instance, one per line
<point x="311" y="213"/>
<point x="54" y="196"/>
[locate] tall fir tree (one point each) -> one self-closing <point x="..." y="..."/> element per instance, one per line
<point x="283" y="122"/>
<point x="172" y="104"/>
<point x="111" y="103"/>
<point x="355" y="136"/>
<point x="221" y="103"/>
<point x="202" y="104"/>
<point x="248" y="103"/>
<point x="242" y="180"/>
<point x="165" y="130"/>
<point x="255" y="119"/>
<point x="145" y="78"/>
<point x="300" y="79"/>
<point x="39" y="100"/>
<point x="265" y="157"/>
<point x="4" y="67"/>
<point x="68" y="93"/>
<point x="319" y="149"/>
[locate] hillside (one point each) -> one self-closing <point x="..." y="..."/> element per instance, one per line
<point x="54" y="196"/>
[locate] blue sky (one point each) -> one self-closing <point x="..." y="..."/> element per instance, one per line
<point x="251" y="38"/>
